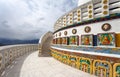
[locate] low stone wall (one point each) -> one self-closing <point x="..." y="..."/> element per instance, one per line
<point x="9" y="53"/>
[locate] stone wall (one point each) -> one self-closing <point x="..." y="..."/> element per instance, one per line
<point x="44" y="46"/>
<point x="9" y="53"/>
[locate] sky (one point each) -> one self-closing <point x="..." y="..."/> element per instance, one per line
<point x="29" y="19"/>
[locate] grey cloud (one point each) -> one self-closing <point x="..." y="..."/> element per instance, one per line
<point x="5" y="30"/>
<point x="32" y="5"/>
<point x="40" y="19"/>
<point x="4" y="24"/>
<point x="29" y="19"/>
<point x="48" y="2"/>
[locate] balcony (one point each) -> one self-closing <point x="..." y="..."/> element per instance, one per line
<point x="23" y="61"/>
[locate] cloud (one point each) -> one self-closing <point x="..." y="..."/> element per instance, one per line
<point x="29" y="19"/>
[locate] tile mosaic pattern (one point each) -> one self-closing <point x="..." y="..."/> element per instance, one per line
<point x="100" y="66"/>
<point x="91" y="49"/>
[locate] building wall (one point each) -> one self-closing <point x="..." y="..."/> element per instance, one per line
<point x="82" y="40"/>
<point x="95" y="29"/>
<point x="90" y="10"/>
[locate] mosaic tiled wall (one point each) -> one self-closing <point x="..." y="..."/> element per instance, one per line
<point x="106" y="39"/>
<point x="100" y="66"/>
<point x="116" y="70"/>
<point x="101" y="39"/>
<point x="73" y="40"/>
<point x="87" y="40"/>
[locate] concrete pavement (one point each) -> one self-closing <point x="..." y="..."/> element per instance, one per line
<point x="34" y="66"/>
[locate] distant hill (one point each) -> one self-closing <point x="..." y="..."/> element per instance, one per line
<point x="4" y="41"/>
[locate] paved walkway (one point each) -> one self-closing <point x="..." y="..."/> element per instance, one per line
<point x="34" y="66"/>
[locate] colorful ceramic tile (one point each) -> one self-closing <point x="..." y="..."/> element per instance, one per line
<point x="87" y="40"/>
<point x="107" y="39"/>
<point x="73" y="40"/>
<point x="64" y="40"/>
<point x="59" y="40"/>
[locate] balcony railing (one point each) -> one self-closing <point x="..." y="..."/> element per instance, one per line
<point x="9" y="53"/>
